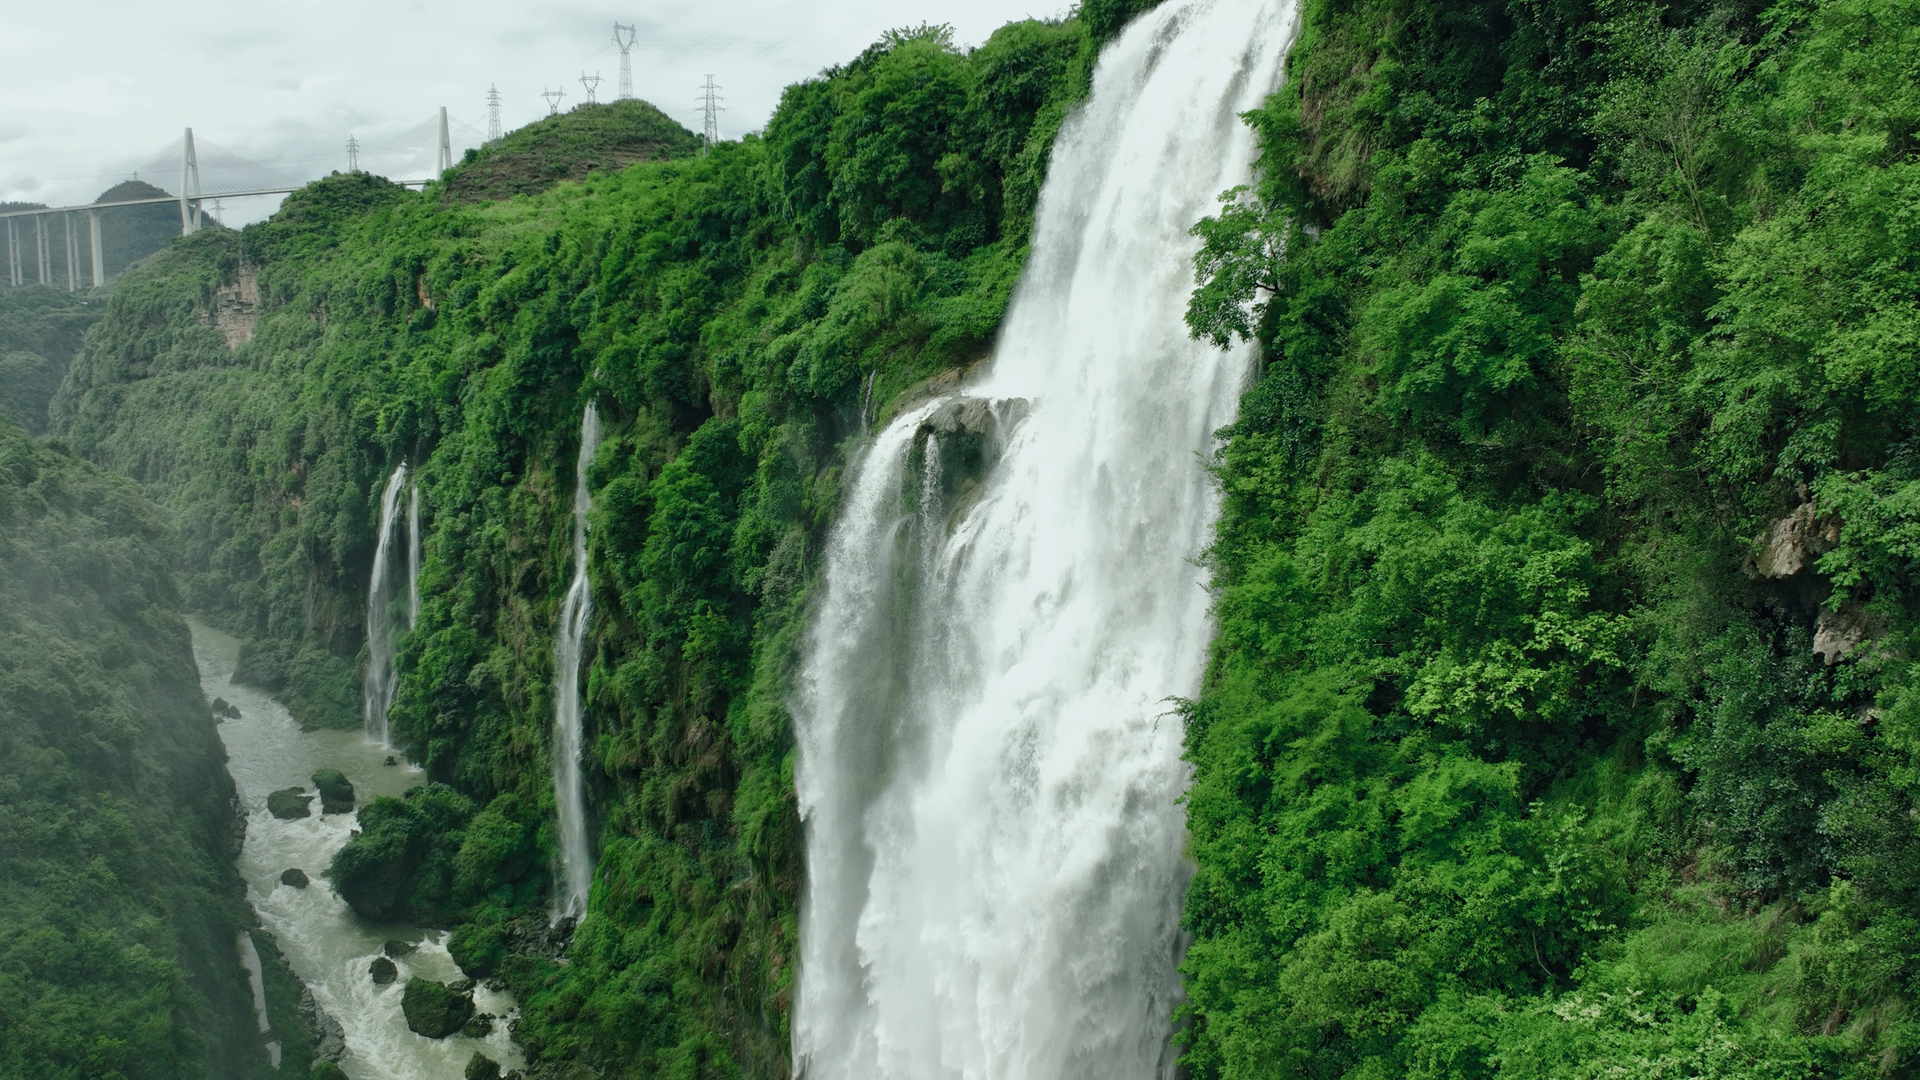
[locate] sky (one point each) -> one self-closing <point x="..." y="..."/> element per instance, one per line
<point x="93" y="92"/>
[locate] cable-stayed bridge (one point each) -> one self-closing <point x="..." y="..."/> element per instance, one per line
<point x="194" y="172"/>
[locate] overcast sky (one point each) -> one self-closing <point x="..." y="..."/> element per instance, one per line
<point x="92" y="92"/>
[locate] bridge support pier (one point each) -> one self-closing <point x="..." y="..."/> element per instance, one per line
<point x="40" y="248"/>
<point x="13" y="257"/>
<point x="99" y="262"/>
<point x="73" y="254"/>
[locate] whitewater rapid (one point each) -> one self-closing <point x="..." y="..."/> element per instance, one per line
<point x="328" y="946"/>
<point x="989" y="766"/>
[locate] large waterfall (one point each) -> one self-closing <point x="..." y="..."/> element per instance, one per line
<point x="389" y="610"/>
<point x="576" y="855"/>
<point x="989" y="767"/>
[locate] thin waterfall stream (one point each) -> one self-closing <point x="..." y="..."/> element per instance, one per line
<point x="989" y="761"/>
<point x="389" y="610"/>
<point x="575" y="872"/>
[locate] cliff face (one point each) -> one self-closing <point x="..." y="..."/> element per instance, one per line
<point x="736" y="318"/>
<point x="118" y="897"/>
<point x="1560" y="722"/>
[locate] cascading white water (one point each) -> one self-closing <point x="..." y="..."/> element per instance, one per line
<point x="989" y="772"/>
<point x="388" y="610"/>
<point x="575" y="874"/>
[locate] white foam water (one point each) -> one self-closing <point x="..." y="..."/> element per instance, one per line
<point x="389" y="611"/>
<point x="329" y="946"/>
<point x="574" y="875"/>
<point x="989" y="771"/>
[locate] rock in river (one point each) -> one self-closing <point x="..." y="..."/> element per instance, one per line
<point x="383" y="971"/>
<point x="289" y="803"/>
<point x="295" y="877"/>
<point x="435" y="1010"/>
<point x="336" y="791"/>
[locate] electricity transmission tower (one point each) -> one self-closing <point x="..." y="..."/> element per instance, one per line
<point x="553" y="100"/>
<point x="625" y="36"/>
<point x="592" y="83"/>
<point x="353" y="154"/>
<point x="493" y="113"/>
<point x="710" y="110"/>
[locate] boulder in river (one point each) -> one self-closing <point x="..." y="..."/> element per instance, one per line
<point x="482" y="1067"/>
<point x="398" y="949"/>
<point x="336" y="791"/>
<point x="383" y="971"/>
<point x="295" y="877"/>
<point x="289" y="803"/>
<point x="480" y="1026"/>
<point x="433" y="1009"/>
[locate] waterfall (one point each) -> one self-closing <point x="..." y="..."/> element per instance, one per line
<point x="576" y="855"/>
<point x="989" y="769"/>
<point x="386" y="617"/>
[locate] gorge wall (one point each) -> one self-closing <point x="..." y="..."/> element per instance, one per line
<point x="1560" y="719"/>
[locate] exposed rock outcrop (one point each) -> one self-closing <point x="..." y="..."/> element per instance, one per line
<point x="289" y="803"/>
<point x="336" y="791"/>
<point x="433" y="1009"/>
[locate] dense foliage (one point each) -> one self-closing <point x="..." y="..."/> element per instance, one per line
<point x="1562" y="720"/>
<point x="737" y="318"/>
<point x="41" y="329"/>
<point x="119" y="903"/>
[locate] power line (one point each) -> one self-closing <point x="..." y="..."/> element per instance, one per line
<point x="493" y="113"/>
<point x="591" y="82"/>
<point x="710" y="111"/>
<point x="626" y="57"/>
<point x="353" y="154"/>
<point x="554" y="98"/>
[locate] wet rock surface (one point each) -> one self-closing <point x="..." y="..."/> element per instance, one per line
<point x="435" y="1009"/>
<point x="383" y="970"/>
<point x="336" y="791"/>
<point x="289" y="803"/>
<point x="295" y="877"/>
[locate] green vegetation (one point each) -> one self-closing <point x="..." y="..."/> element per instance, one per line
<point x="736" y="318"/>
<point x="1562" y="717"/>
<point x="590" y="138"/>
<point x="41" y="329"/>
<point x="119" y="903"/>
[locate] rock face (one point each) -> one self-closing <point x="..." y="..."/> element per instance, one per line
<point x="295" y="877"/>
<point x="383" y="971"/>
<point x="336" y="791"/>
<point x="397" y="949"/>
<point x="479" y="1027"/>
<point x="482" y="1067"/>
<point x="1795" y="542"/>
<point x="434" y="1010"/>
<point x="289" y="803"/>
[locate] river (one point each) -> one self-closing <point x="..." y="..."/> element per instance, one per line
<point x="329" y="946"/>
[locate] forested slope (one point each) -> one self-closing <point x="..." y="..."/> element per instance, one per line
<point x="1563" y="718"/>
<point x="739" y="319"/>
<point x="119" y="903"/>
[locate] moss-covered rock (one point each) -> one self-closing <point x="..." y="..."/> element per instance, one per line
<point x="433" y="1009"/>
<point x="336" y="791"/>
<point x="482" y="1067"/>
<point x="383" y="970"/>
<point x="295" y="877"/>
<point x="288" y="803"/>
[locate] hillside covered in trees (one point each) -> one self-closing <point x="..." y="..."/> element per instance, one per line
<point x="1562" y="718"/>
<point x="119" y="903"/>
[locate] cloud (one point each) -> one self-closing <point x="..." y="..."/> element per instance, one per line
<point x="109" y="85"/>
